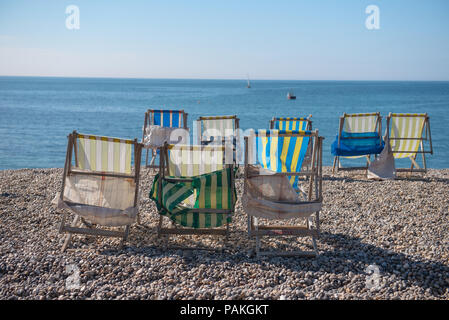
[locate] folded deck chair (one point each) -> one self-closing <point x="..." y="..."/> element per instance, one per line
<point x="195" y="189"/>
<point x="359" y="135"/>
<point x="273" y="164"/>
<point x="213" y="129"/>
<point x="405" y="132"/>
<point x="158" y="128"/>
<point x="102" y="187"/>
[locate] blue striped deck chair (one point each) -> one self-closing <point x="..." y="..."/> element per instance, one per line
<point x="215" y="129"/>
<point x="299" y="124"/>
<point x="100" y="185"/>
<point x="282" y="153"/>
<point x="195" y="189"/>
<point x="294" y="123"/>
<point x="163" y="118"/>
<point x="359" y="135"/>
<point x="406" y="133"/>
<point x="279" y="154"/>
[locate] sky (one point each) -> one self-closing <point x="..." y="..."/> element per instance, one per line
<point x="217" y="39"/>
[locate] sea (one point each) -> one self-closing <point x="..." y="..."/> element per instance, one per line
<point x="37" y="113"/>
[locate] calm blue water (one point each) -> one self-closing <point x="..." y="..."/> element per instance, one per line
<point x="36" y="114"/>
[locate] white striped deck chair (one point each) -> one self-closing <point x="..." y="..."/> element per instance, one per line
<point x="101" y="187"/>
<point x="163" y="118"/>
<point x="195" y="189"/>
<point x="406" y="133"/>
<point x="215" y="129"/>
<point x="354" y="126"/>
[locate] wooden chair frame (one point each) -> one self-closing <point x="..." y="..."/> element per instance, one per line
<point x="422" y="151"/>
<point x="337" y="165"/>
<point x="149" y="120"/>
<point x="180" y="230"/>
<point x="89" y="228"/>
<point x="314" y="177"/>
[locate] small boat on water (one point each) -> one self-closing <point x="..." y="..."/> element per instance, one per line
<point x="249" y="84"/>
<point x="291" y="96"/>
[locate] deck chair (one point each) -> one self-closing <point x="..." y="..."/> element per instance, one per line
<point x="300" y="124"/>
<point x="273" y="165"/>
<point x="167" y="120"/>
<point x="195" y="189"/>
<point x="101" y="188"/>
<point x="405" y="132"/>
<point x="212" y="130"/>
<point x="359" y="135"/>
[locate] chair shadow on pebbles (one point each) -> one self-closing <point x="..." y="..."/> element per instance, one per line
<point x="347" y="258"/>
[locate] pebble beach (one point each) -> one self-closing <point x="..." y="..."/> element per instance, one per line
<point x="379" y="240"/>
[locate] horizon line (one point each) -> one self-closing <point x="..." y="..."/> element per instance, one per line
<point x="220" y="79"/>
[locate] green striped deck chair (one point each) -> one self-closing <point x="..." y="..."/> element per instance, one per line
<point x="406" y="133"/>
<point x="163" y="118"/>
<point x="215" y="129"/>
<point x="353" y="128"/>
<point x="195" y="189"/>
<point x="278" y="187"/>
<point x="100" y="185"/>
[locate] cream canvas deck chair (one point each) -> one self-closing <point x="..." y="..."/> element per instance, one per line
<point x="406" y="133"/>
<point x="195" y="189"/>
<point x="359" y="135"/>
<point x="212" y="130"/>
<point x="101" y="188"/>
<point x="168" y="120"/>
<point x="277" y="187"/>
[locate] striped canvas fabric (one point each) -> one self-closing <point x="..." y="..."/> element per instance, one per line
<point x="299" y="124"/>
<point x="281" y="154"/>
<point x="223" y="126"/>
<point x="193" y="160"/>
<point x="104" y="154"/>
<point x="212" y="191"/>
<point x="360" y="122"/>
<point x="167" y="118"/>
<point x="406" y="126"/>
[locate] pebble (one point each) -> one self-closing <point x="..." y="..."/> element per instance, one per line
<point x="399" y="226"/>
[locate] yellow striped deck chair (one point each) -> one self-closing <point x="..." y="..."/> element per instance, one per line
<point x="163" y="118"/>
<point x="406" y="133"/>
<point x="359" y="135"/>
<point x="215" y="129"/>
<point x="100" y="185"/>
<point x="278" y="187"/>
<point x="291" y="123"/>
<point x="195" y="189"/>
<point x="295" y="123"/>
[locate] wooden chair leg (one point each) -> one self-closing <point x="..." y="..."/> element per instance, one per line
<point x="333" y="167"/>
<point x="146" y="158"/>
<point x="125" y="237"/>
<point x="68" y="237"/>
<point x="159" y="227"/>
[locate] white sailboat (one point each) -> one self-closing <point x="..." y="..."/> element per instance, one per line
<point x="249" y="84"/>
